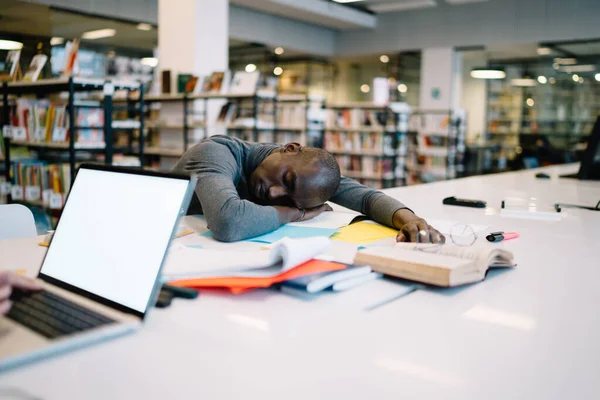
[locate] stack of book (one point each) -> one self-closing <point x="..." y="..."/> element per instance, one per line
<point x="355" y="118"/>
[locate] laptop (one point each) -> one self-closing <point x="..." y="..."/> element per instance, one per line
<point x="590" y="162"/>
<point x="100" y="273"/>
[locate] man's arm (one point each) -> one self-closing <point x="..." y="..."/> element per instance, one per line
<point x="229" y="217"/>
<point x="385" y="210"/>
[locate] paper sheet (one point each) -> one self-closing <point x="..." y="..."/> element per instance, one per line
<point x="293" y="232"/>
<point x="364" y="232"/>
<point x="328" y="220"/>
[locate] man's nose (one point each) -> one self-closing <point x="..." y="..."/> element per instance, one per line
<point x="277" y="191"/>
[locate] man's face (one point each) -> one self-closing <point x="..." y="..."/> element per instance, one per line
<point x="286" y="179"/>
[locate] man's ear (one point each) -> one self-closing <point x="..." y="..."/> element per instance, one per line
<point x="291" y="148"/>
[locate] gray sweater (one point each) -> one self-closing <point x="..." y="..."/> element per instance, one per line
<point x="223" y="165"/>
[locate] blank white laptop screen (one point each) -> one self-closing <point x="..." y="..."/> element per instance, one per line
<point x="113" y="234"/>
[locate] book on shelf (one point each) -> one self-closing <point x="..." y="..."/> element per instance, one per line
<point x="11" y="65"/>
<point x="35" y="67"/>
<point x="439" y="265"/>
<point x="190" y="86"/>
<point x="213" y="83"/>
<point x="182" y="80"/>
<point x="244" y="82"/>
<point x="291" y="115"/>
<point x="71" y="49"/>
<point x="166" y="81"/>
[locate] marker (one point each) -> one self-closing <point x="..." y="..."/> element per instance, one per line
<point x="500" y="236"/>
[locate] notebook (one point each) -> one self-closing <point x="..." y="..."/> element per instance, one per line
<point x="439" y="265"/>
<point x="318" y="282"/>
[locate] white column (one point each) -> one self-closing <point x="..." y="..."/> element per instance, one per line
<point x="441" y="80"/>
<point x="193" y="38"/>
<point x="474" y="97"/>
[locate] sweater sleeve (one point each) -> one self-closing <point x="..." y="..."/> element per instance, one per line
<point x="374" y="204"/>
<point x="228" y="216"/>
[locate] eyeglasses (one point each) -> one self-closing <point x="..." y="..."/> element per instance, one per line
<point x="460" y="234"/>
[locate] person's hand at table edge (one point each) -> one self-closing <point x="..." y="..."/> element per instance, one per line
<point x="415" y="229"/>
<point x="292" y="214"/>
<point x="8" y="280"/>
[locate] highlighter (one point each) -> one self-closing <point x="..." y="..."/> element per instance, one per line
<point x="500" y="236"/>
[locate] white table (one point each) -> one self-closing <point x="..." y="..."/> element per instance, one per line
<point x="527" y="333"/>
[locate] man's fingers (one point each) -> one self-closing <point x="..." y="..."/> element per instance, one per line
<point x="23" y="282"/>
<point x="5" y="307"/>
<point x="400" y="237"/>
<point x="436" y="236"/>
<point x="412" y="231"/>
<point x="5" y="292"/>
<point x="424" y="236"/>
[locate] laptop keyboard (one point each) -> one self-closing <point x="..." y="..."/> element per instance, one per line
<point x="50" y="315"/>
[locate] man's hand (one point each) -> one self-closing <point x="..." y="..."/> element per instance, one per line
<point x="8" y="280"/>
<point x="315" y="212"/>
<point x="415" y="229"/>
<point x="291" y="214"/>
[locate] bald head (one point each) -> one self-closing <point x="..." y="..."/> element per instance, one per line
<point x="303" y="177"/>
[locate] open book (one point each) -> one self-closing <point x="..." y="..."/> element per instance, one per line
<point x="186" y="262"/>
<point x="440" y="265"/>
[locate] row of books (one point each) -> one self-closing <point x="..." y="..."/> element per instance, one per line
<point x="365" y="167"/>
<point x="356" y="142"/>
<point x="45" y="121"/>
<point x="356" y="118"/>
<point x="219" y="82"/>
<point x="37" y="181"/>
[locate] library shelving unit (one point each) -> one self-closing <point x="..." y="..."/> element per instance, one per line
<point x="369" y="141"/>
<point x="436" y="148"/>
<point x="256" y="117"/>
<point x="62" y="122"/>
<point x="561" y="111"/>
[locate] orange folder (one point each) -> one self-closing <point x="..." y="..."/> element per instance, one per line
<point x="242" y="284"/>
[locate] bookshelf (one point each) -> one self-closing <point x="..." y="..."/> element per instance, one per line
<point x="255" y="117"/>
<point x="51" y="125"/>
<point x="436" y="147"/>
<point x="369" y="141"/>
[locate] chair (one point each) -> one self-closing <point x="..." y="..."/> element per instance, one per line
<point x="16" y="221"/>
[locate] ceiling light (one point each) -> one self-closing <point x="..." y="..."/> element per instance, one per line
<point x="542" y="79"/>
<point x="581" y="79"/>
<point x="278" y="71"/>
<point x="10" y="45"/>
<point x="98" y="34"/>
<point x="575" y="78"/>
<point x="597" y="77"/>
<point x="579" y="68"/>
<point x="56" y="41"/>
<point x="384" y="59"/>
<point x="544" y="51"/>
<point x="566" y="61"/>
<point x="347" y="1"/>
<point x="250" y="68"/>
<point x="552" y="81"/>
<point x="279" y="51"/>
<point x="488" y="73"/>
<point x="523" y="82"/>
<point x="365" y="88"/>
<point x="530" y="102"/>
<point x="555" y="66"/>
<point x="150" y="61"/>
<point x="144" y="27"/>
<point x="402" y="88"/>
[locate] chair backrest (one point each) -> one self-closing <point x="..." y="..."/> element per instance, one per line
<point x="16" y="221"/>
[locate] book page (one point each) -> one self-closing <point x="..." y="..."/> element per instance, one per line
<point x="483" y="256"/>
<point x="408" y="255"/>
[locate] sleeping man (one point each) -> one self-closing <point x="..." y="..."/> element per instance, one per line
<point x="249" y="189"/>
